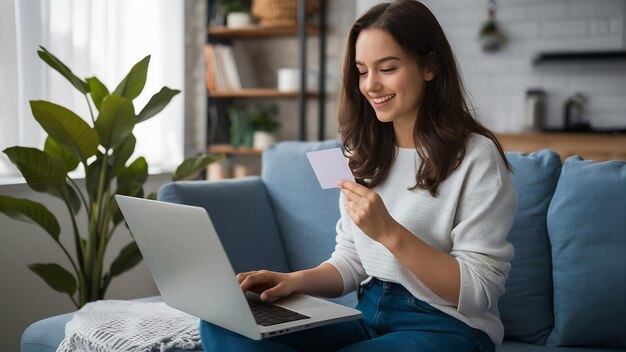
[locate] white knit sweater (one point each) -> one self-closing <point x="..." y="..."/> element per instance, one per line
<point x="469" y="220"/>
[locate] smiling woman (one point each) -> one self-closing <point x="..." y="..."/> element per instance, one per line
<point x="93" y="37"/>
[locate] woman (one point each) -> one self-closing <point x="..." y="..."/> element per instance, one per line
<point x="422" y="234"/>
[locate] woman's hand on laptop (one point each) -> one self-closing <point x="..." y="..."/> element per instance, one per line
<point x="270" y="285"/>
<point x="323" y="281"/>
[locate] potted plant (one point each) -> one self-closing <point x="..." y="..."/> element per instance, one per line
<point x="263" y="121"/>
<point x="103" y="148"/>
<point x="237" y="12"/>
<point x="240" y="128"/>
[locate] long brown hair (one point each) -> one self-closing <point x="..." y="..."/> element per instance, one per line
<point x="444" y="120"/>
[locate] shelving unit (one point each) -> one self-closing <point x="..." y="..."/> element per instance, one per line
<point x="548" y="57"/>
<point x="219" y="101"/>
<point x="229" y="149"/>
<point x="255" y="32"/>
<point x="259" y="93"/>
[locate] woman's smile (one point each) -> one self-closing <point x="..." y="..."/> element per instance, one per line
<point x="380" y="101"/>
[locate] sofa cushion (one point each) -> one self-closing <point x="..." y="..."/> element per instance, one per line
<point x="242" y="216"/>
<point x="587" y="227"/>
<point x="526" y="306"/>
<point x="517" y="346"/>
<point x="305" y="213"/>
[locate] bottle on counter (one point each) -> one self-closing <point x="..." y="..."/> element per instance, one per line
<point x="535" y="110"/>
<point x="573" y="118"/>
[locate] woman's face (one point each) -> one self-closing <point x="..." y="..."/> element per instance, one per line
<point x="389" y="79"/>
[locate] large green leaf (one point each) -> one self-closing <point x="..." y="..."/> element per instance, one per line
<point x="72" y="197"/>
<point x="92" y="176"/>
<point x="132" y="177"/>
<point x="97" y="90"/>
<point x="132" y="85"/>
<point x="190" y="167"/>
<point x="121" y="154"/>
<point x="116" y="120"/>
<point x="54" y="149"/>
<point x="56" y="64"/>
<point x="28" y="211"/>
<point x="67" y="128"/>
<point x="128" y="257"/>
<point x="117" y="214"/>
<point x="157" y="103"/>
<point x="56" y="277"/>
<point x="42" y="172"/>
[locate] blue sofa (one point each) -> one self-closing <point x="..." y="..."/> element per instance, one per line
<point x="567" y="286"/>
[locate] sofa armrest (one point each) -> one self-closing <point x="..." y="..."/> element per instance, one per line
<point x="242" y="215"/>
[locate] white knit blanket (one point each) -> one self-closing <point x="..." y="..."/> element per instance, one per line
<point x="130" y="326"/>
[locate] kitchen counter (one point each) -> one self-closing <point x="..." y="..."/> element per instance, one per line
<point x="597" y="146"/>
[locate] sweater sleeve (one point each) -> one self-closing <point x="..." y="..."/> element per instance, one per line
<point x="345" y="257"/>
<point x="485" y="214"/>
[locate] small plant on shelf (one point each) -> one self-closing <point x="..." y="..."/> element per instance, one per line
<point x="237" y="12"/>
<point x="263" y="118"/>
<point x="265" y="125"/>
<point x="229" y="6"/>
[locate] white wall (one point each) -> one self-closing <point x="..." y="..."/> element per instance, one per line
<point x="24" y="297"/>
<point x="497" y="82"/>
<point x="8" y="80"/>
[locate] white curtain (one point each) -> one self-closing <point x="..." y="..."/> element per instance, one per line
<point x="103" y="39"/>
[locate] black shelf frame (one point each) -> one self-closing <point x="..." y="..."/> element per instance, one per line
<point x="547" y="57"/>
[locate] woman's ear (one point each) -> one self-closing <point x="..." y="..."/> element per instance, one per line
<point x="430" y="66"/>
<point x="429" y="74"/>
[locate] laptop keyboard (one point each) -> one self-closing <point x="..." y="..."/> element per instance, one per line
<point x="267" y="314"/>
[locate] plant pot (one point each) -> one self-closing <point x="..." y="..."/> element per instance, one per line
<point x="238" y="19"/>
<point x="262" y="139"/>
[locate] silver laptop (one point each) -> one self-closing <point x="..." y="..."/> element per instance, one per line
<point x="193" y="274"/>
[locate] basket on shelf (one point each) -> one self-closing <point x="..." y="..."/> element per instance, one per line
<point x="281" y="13"/>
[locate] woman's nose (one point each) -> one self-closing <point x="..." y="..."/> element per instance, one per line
<point x="372" y="83"/>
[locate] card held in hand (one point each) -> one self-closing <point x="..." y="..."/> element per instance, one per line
<point x="330" y="166"/>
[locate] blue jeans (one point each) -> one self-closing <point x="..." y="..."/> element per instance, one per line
<point x="393" y="320"/>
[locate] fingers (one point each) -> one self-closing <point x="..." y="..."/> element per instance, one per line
<point x="253" y="281"/>
<point x="270" y="285"/>
<point x="353" y="186"/>
<point x="242" y="276"/>
<point x="275" y="292"/>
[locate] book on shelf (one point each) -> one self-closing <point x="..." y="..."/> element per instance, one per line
<point x="222" y="73"/>
<point x="210" y="68"/>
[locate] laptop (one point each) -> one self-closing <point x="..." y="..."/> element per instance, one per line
<point x="188" y="263"/>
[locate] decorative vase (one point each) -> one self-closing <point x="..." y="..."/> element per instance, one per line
<point x="238" y="19"/>
<point x="262" y="139"/>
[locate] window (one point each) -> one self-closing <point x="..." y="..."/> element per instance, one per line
<point x="93" y="38"/>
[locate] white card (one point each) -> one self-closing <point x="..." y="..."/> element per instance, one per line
<point x="330" y="166"/>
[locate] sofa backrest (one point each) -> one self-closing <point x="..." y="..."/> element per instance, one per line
<point x="241" y="215"/>
<point x="305" y="213"/>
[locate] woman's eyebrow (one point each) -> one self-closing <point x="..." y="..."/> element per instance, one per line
<point x="379" y="61"/>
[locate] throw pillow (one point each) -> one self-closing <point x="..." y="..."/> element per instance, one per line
<point x="587" y="227"/>
<point x="526" y="306"/>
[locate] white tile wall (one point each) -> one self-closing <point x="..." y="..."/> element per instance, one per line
<point x="497" y="82"/>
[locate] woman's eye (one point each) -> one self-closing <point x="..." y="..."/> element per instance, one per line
<point x="390" y="69"/>
<point x="362" y="73"/>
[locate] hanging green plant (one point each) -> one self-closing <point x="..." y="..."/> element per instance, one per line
<point x="103" y="149"/>
<point x="491" y="37"/>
